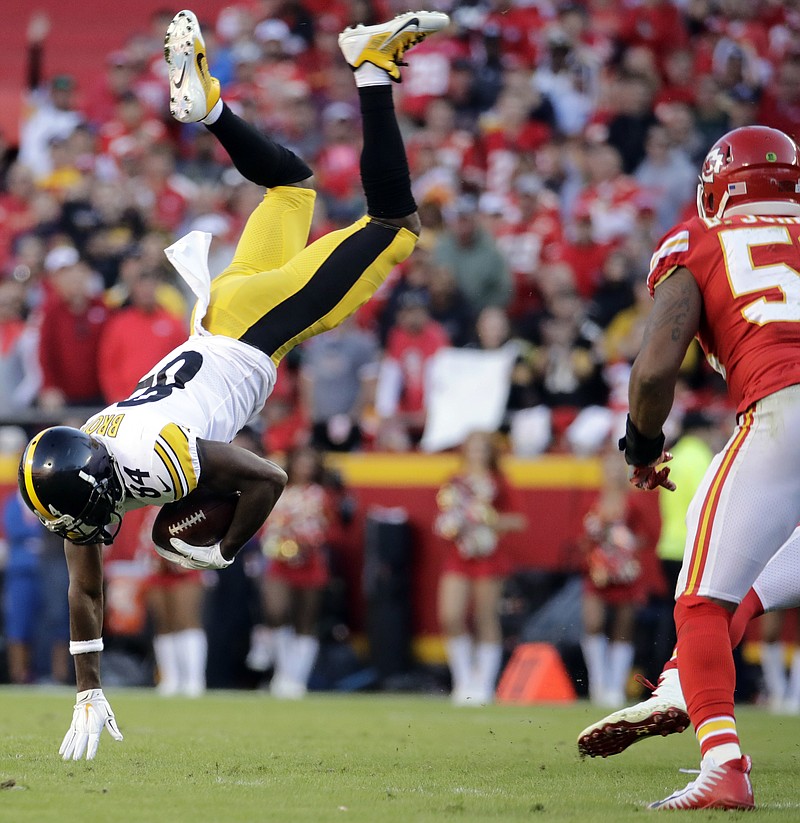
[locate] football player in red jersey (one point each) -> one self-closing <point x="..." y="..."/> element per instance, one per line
<point x="730" y="277"/>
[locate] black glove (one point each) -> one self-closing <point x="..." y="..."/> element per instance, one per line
<point x="643" y="454"/>
<point x="640" y="450"/>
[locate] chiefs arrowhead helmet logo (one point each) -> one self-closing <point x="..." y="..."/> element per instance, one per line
<point x="714" y="162"/>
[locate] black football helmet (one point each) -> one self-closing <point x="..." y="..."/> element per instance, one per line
<point x="68" y="480"/>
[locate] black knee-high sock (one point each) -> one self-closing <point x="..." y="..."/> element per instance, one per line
<point x="259" y="159"/>
<point x="384" y="167"/>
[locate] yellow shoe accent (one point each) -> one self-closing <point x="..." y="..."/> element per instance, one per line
<point x="385" y="44"/>
<point x="193" y="91"/>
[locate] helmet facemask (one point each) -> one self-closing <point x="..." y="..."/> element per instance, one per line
<point x="72" y="483"/>
<point x="100" y="511"/>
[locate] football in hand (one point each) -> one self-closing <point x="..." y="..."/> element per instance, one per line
<point x="199" y="519"/>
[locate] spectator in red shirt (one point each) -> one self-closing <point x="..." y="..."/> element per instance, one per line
<point x="400" y="400"/>
<point x="428" y="77"/>
<point x="517" y="25"/>
<point x="656" y="24"/>
<point x="611" y="197"/>
<point x="582" y="253"/>
<point x="286" y="423"/>
<point x="679" y="85"/>
<point x="17" y="214"/>
<point x="102" y="100"/>
<point x="168" y="193"/>
<point x="130" y="129"/>
<point x="142" y="319"/>
<point x="528" y="236"/>
<point x="509" y="135"/>
<point x="337" y="169"/>
<point x="70" y="327"/>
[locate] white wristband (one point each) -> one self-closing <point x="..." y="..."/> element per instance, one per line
<point x="85" y="646"/>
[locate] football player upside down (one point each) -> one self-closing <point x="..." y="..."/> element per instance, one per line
<point x="174" y="432"/>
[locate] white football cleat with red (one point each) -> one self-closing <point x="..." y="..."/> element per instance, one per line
<point x="663" y="713"/>
<point x="724" y="786"/>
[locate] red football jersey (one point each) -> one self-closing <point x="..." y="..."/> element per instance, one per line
<point x="748" y="270"/>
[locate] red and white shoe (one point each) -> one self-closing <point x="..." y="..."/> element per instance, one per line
<point x="663" y="713"/>
<point x="726" y="786"/>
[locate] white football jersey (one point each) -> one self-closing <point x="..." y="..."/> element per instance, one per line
<point x="207" y="388"/>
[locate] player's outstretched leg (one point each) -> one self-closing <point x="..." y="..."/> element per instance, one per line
<point x="375" y="54"/>
<point x="664" y="712"/>
<point x="195" y="97"/>
<point x="280" y="306"/>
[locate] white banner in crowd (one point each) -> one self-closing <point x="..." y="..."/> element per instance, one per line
<point x="467" y="391"/>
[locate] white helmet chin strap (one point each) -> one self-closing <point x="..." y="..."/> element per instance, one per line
<point x="700" y="210"/>
<point x="701" y="206"/>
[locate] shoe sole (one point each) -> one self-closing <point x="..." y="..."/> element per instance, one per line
<point x="616" y="736"/>
<point x="180" y="56"/>
<point x="717" y="793"/>
<point x="727" y="805"/>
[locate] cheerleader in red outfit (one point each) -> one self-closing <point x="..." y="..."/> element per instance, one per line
<point x="294" y="540"/>
<point x="473" y="515"/>
<point x="615" y="532"/>
<point x="174" y="597"/>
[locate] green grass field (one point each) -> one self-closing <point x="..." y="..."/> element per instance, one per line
<point x="245" y="757"/>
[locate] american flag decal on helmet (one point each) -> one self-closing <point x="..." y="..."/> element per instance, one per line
<point x="737" y="188"/>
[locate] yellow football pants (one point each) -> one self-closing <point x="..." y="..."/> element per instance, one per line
<point x="278" y="292"/>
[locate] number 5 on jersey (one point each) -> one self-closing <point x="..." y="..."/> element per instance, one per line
<point x="746" y="277"/>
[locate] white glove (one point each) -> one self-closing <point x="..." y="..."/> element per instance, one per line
<point x="92" y="713"/>
<point x="195" y="557"/>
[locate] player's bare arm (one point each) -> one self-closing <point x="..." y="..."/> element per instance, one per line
<point x="670" y="328"/>
<point x="85" y="564"/>
<point x="226" y="469"/>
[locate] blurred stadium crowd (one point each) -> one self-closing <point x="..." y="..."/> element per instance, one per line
<point x="551" y="144"/>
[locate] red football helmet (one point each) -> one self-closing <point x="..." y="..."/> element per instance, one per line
<point x="756" y="168"/>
